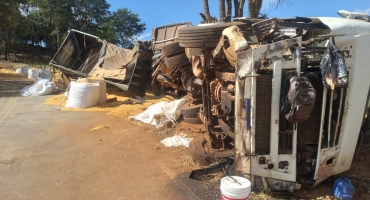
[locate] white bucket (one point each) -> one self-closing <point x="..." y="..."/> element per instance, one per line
<point x="231" y="190"/>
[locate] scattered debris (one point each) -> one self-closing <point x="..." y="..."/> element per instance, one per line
<point x="134" y="101"/>
<point x="200" y="174"/>
<point x="110" y="100"/>
<point x="176" y="140"/>
<point x="161" y="112"/>
<point x="101" y="127"/>
<point x="39" y="88"/>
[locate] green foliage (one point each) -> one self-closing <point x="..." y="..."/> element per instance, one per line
<point x="10" y="17"/>
<point x="127" y="26"/>
<point x="89" y="15"/>
<point x="27" y="25"/>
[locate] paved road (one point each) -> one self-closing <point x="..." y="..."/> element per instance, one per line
<point x="46" y="153"/>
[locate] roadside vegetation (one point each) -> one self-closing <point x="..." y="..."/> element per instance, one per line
<point x="31" y="31"/>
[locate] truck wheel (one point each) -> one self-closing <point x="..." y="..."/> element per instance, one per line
<point x="190" y="111"/>
<point x="172" y="49"/>
<point x="157" y="88"/>
<point x="204" y="36"/>
<point x="192" y="120"/>
<point x="200" y="152"/>
<point x="177" y="60"/>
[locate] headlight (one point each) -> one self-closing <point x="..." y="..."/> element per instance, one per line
<point x="280" y="186"/>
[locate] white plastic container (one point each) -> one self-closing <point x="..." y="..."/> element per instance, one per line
<point x="231" y="190"/>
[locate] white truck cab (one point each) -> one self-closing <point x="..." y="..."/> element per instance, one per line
<point x="274" y="153"/>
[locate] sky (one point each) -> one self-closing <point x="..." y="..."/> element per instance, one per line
<point x="157" y="13"/>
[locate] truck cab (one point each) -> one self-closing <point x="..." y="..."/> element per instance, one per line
<point x="275" y="153"/>
<point x="246" y="77"/>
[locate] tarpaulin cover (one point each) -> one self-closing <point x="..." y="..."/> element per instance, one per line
<point x="84" y="55"/>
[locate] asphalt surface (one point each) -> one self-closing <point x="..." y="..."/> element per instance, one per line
<point x="46" y="153"/>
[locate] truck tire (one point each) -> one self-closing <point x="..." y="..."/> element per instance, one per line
<point x="176" y="60"/>
<point x="204" y="36"/>
<point x="157" y="89"/>
<point x="200" y="152"/>
<point x="172" y="49"/>
<point x="190" y="111"/>
<point x="192" y="120"/>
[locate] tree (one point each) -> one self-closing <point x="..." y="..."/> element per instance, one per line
<point x="127" y="26"/>
<point x="222" y="10"/>
<point x="239" y="7"/>
<point x="89" y="15"/>
<point x="254" y="7"/>
<point x="35" y="27"/>
<point x="228" y="10"/>
<point x="10" y="17"/>
<point x="225" y="10"/>
<point x="56" y="14"/>
<point x="206" y="10"/>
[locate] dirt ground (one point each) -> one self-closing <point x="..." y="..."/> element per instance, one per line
<point x="46" y="153"/>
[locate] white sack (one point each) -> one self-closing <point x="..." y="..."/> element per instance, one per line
<point x="18" y="71"/>
<point x="33" y="73"/>
<point x="176" y="140"/>
<point x="40" y="87"/>
<point x="102" y="87"/>
<point x="45" y="74"/>
<point x="83" y="95"/>
<point x="24" y="71"/>
<point x="161" y="112"/>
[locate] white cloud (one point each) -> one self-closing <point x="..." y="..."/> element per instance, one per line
<point x="145" y="36"/>
<point x="366" y="11"/>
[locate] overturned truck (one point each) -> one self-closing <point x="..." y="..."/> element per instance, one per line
<point x="85" y="55"/>
<point x="288" y="98"/>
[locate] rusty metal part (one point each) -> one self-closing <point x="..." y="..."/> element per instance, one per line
<point x="201" y="115"/>
<point x="218" y="52"/>
<point x="194" y="51"/>
<point x="265" y="28"/>
<point x="164" y="80"/>
<point x="190" y="84"/>
<point x="231" y="88"/>
<point x="216" y="137"/>
<point x="202" y="151"/>
<point x="185" y="68"/>
<point x="225" y="76"/>
<point x="265" y="63"/>
<point x="215" y="87"/>
<point x="235" y="38"/>
<point x="230" y="56"/>
<point x="197" y="68"/>
<point x="225" y="128"/>
<point x="214" y="110"/>
<point x="176" y="81"/>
